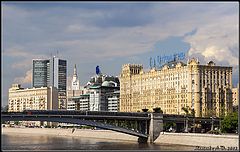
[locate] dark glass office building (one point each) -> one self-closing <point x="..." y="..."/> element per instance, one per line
<point x="51" y="72"/>
<point x="40" y="73"/>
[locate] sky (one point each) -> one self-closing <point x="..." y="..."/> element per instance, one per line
<point x="110" y="34"/>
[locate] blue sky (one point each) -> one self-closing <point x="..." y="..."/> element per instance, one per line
<point x="112" y="34"/>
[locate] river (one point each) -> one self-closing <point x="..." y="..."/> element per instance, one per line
<point x="50" y="142"/>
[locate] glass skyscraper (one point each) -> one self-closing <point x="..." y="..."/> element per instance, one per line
<point x="51" y="72"/>
<point x="40" y="73"/>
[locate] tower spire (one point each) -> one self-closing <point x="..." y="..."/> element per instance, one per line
<point x="75" y="80"/>
<point x="75" y="70"/>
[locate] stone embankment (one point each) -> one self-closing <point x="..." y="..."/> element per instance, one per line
<point x="164" y="138"/>
<point x="199" y="139"/>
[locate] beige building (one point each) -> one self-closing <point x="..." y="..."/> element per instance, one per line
<point x="204" y="88"/>
<point x="44" y="98"/>
<point x="235" y="94"/>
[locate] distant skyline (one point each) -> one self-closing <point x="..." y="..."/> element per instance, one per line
<point x="110" y="34"/>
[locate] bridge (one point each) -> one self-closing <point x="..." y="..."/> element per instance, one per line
<point x="184" y="121"/>
<point x="145" y="125"/>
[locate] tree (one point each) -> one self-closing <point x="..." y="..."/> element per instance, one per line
<point x="157" y="110"/>
<point x="230" y="123"/>
<point x="193" y="112"/>
<point x="187" y="111"/>
<point x="235" y="108"/>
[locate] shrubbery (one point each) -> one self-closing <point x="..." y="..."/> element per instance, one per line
<point x="230" y="123"/>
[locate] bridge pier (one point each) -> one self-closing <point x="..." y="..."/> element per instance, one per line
<point x="156" y="126"/>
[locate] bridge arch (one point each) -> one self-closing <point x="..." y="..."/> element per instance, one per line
<point x="79" y="122"/>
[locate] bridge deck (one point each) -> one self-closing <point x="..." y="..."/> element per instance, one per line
<point x="77" y="119"/>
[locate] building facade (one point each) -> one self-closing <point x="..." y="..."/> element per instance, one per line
<point x="99" y="97"/>
<point x="235" y="94"/>
<point x="206" y="89"/>
<point x="41" y="75"/>
<point x="99" y="87"/>
<point x="113" y="101"/>
<point x="20" y="99"/>
<point x="74" y="89"/>
<point x="51" y="72"/>
<point x="75" y="81"/>
<point x="71" y="105"/>
<point x="82" y="102"/>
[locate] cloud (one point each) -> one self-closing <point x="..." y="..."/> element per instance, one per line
<point x="22" y="57"/>
<point x="16" y="51"/>
<point x="27" y="79"/>
<point x="95" y="33"/>
<point x="22" y="65"/>
<point x="215" y="53"/>
<point x="217" y="40"/>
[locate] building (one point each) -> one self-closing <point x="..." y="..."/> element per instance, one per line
<point x="75" y="80"/>
<point x="113" y="101"/>
<point x="82" y="102"/>
<point x="235" y="94"/>
<point x="70" y="105"/>
<point x="206" y="89"/>
<point x="51" y="72"/>
<point x="95" y="94"/>
<point x="41" y="75"/>
<point x="44" y="98"/>
<point x="99" y="87"/>
<point x="74" y="90"/>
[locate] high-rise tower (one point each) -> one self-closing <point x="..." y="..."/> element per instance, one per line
<point x="51" y="72"/>
<point x="41" y="73"/>
<point x="75" y="80"/>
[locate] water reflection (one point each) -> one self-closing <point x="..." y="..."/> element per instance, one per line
<point x="40" y="142"/>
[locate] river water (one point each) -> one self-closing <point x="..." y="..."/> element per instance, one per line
<point x="49" y="142"/>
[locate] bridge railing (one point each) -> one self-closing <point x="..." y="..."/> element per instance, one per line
<point x="78" y="112"/>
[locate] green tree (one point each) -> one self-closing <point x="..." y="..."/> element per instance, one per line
<point x="185" y="109"/>
<point x="229" y="123"/>
<point x="188" y="111"/>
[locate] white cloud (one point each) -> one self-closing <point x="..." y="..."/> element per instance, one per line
<point x="219" y="54"/>
<point x="80" y="28"/>
<point x="77" y="34"/>
<point x="217" y="40"/>
<point x="27" y="79"/>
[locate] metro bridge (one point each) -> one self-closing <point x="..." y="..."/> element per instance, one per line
<point x="145" y="125"/>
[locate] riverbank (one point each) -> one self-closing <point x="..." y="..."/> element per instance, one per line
<point x="195" y="139"/>
<point x="164" y="138"/>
